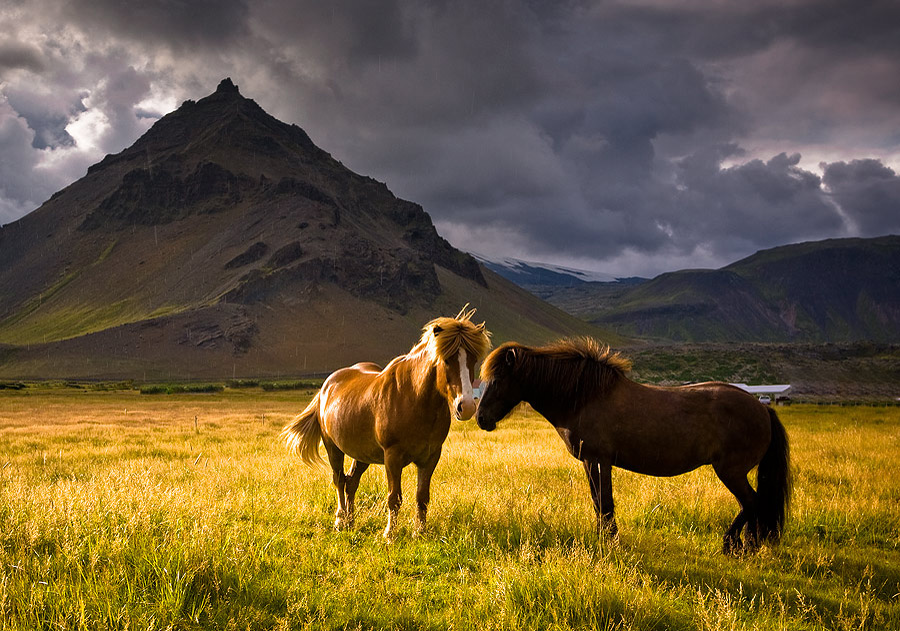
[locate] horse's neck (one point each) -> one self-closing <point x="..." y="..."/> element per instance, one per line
<point x="542" y="400"/>
<point x="416" y="372"/>
<point x="557" y="408"/>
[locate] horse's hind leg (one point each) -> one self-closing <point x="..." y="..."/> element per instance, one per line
<point x="336" y="460"/>
<point x="600" y="482"/>
<point x="352" y="479"/>
<point x="737" y="483"/>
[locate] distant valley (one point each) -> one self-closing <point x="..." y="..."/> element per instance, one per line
<point x="838" y="290"/>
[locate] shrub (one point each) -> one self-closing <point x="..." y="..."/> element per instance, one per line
<point x="242" y="383"/>
<point x="190" y="388"/>
<point x="269" y="386"/>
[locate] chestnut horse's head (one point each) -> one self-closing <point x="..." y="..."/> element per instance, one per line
<point x="456" y="346"/>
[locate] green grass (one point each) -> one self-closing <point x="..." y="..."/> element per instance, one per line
<point x="58" y="321"/>
<point x="53" y="316"/>
<point x="124" y="511"/>
<point x="182" y="388"/>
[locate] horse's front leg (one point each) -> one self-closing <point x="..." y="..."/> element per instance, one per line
<point x="423" y="489"/>
<point x="600" y="481"/>
<point x="394" y="462"/>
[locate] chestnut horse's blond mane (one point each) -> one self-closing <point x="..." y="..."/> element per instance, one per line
<point x="443" y="337"/>
<point x="578" y="367"/>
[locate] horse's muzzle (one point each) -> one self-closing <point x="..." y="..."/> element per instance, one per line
<point x="465" y="408"/>
<point x="485" y="424"/>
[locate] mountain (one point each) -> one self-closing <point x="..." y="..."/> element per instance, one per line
<point x="838" y="290"/>
<point x="225" y="242"/>
<point x="530" y="274"/>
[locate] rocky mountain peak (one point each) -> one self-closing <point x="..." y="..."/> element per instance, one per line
<point x="224" y="165"/>
<point x="226" y="86"/>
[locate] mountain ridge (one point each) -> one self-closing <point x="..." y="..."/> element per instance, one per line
<point x="231" y="233"/>
<point x="834" y="290"/>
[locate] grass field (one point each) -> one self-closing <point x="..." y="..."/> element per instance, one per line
<point x="127" y="511"/>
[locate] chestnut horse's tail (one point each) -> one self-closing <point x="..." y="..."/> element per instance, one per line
<point x="303" y="435"/>
<point x="774" y="483"/>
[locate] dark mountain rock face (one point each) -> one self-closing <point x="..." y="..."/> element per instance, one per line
<point x="151" y="198"/>
<point x="838" y="290"/>
<point x="282" y="213"/>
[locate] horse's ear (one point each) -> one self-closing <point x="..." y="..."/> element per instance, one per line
<point x="436" y="329"/>
<point x="510" y="357"/>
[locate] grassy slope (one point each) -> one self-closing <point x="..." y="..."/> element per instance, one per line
<point x="127" y="279"/>
<point x="115" y="512"/>
<point x="308" y="334"/>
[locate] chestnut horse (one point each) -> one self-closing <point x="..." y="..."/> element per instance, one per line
<point x="393" y="416"/>
<point x="608" y="420"/>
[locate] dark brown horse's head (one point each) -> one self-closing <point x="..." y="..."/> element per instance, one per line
<point x="500" y="390"/>
<point x="457" y="345"/>
<point x="573" y="370"/>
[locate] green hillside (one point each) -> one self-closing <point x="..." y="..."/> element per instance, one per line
<point x="839" y="290"/>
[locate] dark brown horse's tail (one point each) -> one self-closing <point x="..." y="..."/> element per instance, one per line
<point x="774" y="483"/>
<point x="303" y="435"/>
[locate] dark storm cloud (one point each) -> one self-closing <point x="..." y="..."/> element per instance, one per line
<point x="642" y="134"/>
<point x="868" y="192"/>
<point x="14" y="55"/>
<point x="751" y="202"/>
<point x="837" y="26"/>
<point x="181" y="25"/>
<point x="20" y="190"/>
<point x="46" y="116"/>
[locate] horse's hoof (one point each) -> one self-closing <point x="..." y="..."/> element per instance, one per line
<point x="342" y="523"/>
<point x="608" y="530"/>
<point x="732" y="547"/>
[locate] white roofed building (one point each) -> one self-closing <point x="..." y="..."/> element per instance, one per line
<point x="780" y="390"/>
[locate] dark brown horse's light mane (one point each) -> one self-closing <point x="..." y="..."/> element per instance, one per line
<point x="453" y="333"/>
<point x="575" y="368"/>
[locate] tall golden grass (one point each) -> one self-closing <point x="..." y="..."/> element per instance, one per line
<point x="125" y="511"/>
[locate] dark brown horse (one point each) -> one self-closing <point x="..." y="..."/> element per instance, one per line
<point x="608" y="420"/>
<point x="393" y="416"/>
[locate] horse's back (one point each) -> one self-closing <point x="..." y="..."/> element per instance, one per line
<point x="741" y="423"/>
<point x="670" y="430"/>
<point x="347" y="414"/>
<point x="359" y="375"/>
<point x="724" y="405"/>
<point x="365" y="367"/>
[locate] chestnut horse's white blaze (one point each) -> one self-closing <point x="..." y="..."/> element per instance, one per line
<point x="465" y="402"/>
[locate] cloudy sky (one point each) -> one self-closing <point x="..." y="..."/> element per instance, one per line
<point x="626" y="137"/>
